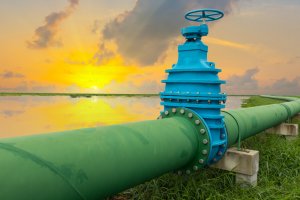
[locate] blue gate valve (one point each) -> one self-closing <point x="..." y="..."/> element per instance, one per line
<point x="193" y="83"/>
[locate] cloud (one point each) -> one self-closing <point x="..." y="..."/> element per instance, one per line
<point x="21" y="87"/>
<point x="243" y="84"/>
<point x="285" y="87"/>
<point x="294" y="60"/>
<point x="43" y="88"/>
<point x="75" y="62"/>
<point x="11" y="113"/>
<point x="10" y="74"/>
<point x="152" y="87"/>
<point x="96" y="27"/>
<point x="45" y="35"/>
<point x="28" y="86"/>
<point x="144" y="33"/>
<point x="247" y="84"/>
<point x="103" y="54"/>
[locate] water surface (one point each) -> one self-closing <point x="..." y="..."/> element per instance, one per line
<point x="27" y="115"/>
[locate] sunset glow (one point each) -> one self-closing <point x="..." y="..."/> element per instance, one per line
<point x="100" y="46"/>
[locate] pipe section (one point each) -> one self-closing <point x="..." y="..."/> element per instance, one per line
<point x="246" y="122"/>
<point x="94" y="163"/>
<point x="284" y="98"/>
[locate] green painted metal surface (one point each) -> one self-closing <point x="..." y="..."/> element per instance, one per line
<point x="284" y="98"/>
<point x="292" y="107"/>
<point x="246" y="122"/>
<point x="200" y="159"/>
<point x="99" y="162"/>
<point x="96" y="162"/>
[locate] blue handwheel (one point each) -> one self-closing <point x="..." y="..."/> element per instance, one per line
<point x="204" y="15"/>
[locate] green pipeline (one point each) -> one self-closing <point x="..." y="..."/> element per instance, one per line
<point x="284" y="98"/>
<point x="93" y="163"/>
<point x="246" y="122"/>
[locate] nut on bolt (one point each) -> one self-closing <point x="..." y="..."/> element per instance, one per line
<point x="195" y="168"/>
<point x="202" y="131"/>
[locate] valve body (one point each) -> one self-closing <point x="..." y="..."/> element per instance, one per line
<point x="194" y="83"/>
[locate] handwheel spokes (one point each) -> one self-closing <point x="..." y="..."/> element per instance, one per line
<point x="195" y="15"/>
<point x="199" y="18"/>
<point x="204" y="15"/>
<point x="210" y="18"/>
<point x="215" y="14"/>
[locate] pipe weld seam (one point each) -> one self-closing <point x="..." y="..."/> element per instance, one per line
<point x="236" y="121"/>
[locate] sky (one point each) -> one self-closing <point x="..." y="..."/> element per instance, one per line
<point x="124" y="46"/>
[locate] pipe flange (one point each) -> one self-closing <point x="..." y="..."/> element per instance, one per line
<point x="203" y="151"/>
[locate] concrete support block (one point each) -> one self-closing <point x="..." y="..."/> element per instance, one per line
<point x="244" y="163"/>
<point x="290" y="130"/>
<point x="245" y="180"/>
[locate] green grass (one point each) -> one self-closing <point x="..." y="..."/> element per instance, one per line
<point x="259" y="101"/>
<point x="278" y="177"/>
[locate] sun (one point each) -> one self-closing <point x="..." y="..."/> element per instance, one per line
<point x="94" y="87"/>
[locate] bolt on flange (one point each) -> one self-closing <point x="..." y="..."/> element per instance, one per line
<point x="202" y="155"/>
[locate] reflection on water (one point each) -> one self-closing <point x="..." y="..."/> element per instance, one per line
<point x="26" y="115"/>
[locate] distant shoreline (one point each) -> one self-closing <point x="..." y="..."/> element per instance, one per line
<point x="74" y="95"/>
<point x="87" y="95"/>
